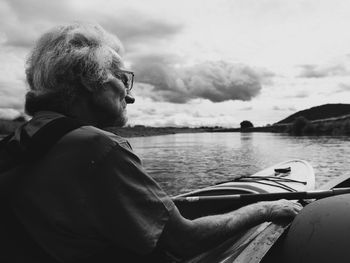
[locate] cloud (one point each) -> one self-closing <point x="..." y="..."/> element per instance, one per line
<point x="314" y="71"/>
<point x="189" y="119"/>
<point x="170" y="80"/>
<point x="30" y="10"/>
<point x="23" y="21"/>
<point x="12" y="94"/>
<point x="9" y="114"/>
<point x="301" y="94"/>
<point x="279" y="108"/>
<point x="298" y="94"/>
<point x="248" y="108"/>
<point x="343" y="88"/>
<point x="136" y="29"/>
<point x="185" y="119"/>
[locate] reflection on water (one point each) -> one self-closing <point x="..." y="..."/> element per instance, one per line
<point x="184" y="162"/>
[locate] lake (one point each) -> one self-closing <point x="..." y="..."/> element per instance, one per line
<point x="188" y="161"/>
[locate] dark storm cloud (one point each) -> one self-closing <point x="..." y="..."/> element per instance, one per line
<point x="23" y="21"/>
<point x="30" y="10"/>
<point x="314" y="71"/>
<point x="135" y="29"/>
<point x="216" y="81"/>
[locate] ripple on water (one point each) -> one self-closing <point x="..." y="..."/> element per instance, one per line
<point x="184" y="162"/>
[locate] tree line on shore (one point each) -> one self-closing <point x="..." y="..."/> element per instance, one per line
<point x="300" y="126"/>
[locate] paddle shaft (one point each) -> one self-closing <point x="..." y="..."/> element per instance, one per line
<point x="252" y="198"/>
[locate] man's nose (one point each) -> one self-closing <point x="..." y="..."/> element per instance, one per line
<point x="129" y="99"/>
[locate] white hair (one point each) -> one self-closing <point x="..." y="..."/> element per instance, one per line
<point x="64" y="60"/>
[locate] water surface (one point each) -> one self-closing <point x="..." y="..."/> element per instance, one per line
<point x="184" y="162"/>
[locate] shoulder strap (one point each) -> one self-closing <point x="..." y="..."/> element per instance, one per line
<point x="48" y="135"/>
<point x="32" y="148"/>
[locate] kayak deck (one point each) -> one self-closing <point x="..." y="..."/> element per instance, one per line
<point x="251" y="245"/>
<point x="288" y="176"/>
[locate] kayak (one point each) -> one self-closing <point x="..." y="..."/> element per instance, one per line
<point x="319" y="233"/>
<point x="288" y="176"/>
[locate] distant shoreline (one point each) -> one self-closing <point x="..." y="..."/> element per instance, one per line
<point x="141" y="131"/>
<point x="300" y="126"/>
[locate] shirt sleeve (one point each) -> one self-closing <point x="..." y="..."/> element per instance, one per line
<point x="130" y="207"/>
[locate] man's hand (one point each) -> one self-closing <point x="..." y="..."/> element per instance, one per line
<point x="281" y="209"/>
<point x="185" y="238"/>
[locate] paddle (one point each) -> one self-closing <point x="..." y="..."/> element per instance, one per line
<point x="252" y="198"/>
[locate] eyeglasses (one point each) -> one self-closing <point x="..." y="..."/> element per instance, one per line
<point x="127" y="77"/>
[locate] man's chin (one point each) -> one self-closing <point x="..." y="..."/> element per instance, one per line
<point x="117" y="123"/>
<point x="120" y="122"/>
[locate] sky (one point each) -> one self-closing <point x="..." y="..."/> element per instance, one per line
<point x="200" y="62"/>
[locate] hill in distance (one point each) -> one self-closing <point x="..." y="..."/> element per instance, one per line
<point x="319" y="112"/>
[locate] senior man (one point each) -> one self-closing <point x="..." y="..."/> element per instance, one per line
<point x="89" y="197"/>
